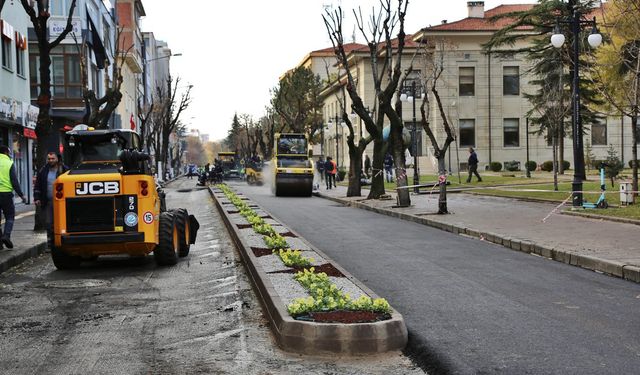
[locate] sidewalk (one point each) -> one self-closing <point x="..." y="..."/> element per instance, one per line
<point x="598" y="245"/>
<point x="27" y="243"/>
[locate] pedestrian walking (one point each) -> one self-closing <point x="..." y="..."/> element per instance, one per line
<point x="367" y="166"/>
<point x="330" y="171"/>
<point x="320" y="167"/>
<point x="43" y="189"/>
<point x="388" y="167"/>
<point x="8" y="184"/>
<point x="473" y="165"/>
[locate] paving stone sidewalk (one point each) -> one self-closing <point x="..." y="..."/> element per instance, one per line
<point x="595" y="244"/>
<point x="27" y="243"/>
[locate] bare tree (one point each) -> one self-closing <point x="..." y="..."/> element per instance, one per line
<point x="434" y="67"/>
<point x="172" y="108"/>
<point x="381" y="26"/>
<point x="38" y="12"/>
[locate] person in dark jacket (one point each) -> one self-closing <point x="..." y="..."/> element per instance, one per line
<point x="473" y="165"/>
<point x="8" y="183"/>
<point x="330" y="171"/>
<point x="388" y="167"/>
<point x="320" y="167"/>
<point x="367" y="166"/>
<point x="43" y="190"/>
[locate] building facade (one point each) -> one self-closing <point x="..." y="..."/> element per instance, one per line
<point x="483" y="98"/>
<point x="17" y="122"/>
<point x="130" y="55"/>
<point x="91" y="40"/>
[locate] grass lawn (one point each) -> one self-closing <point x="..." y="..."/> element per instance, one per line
<point x="542" y="181"/>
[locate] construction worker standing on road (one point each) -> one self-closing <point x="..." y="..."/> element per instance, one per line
<point x="8" y="183"/>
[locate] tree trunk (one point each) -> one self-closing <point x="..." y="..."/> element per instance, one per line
<point x="634" y="152"/>
<point x="442" y="199"/>
<point x="397" y="146"/>
<point x="377" y="164"/>
<point x="43" y="126"/>
<point x="355" y="171"/>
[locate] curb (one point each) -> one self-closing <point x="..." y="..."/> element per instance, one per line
<point x="613" y="268"/>
<point x="20" y="256"/>
<point x="310" y="337"/>
<point x="601" y="217"/>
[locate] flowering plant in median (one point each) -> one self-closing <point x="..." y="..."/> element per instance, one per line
<point x="324" y="295"/>
<point x="275" y="241"/>
<point x="293" y="258"/>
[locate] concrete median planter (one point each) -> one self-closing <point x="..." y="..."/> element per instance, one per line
<point x="276" y="289"/>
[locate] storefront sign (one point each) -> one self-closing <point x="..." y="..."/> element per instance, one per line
<point x="30" y="133"/>
<point x="30" y="115"/>
<point x="57" y="26"/>
<point x="10" y="109"/>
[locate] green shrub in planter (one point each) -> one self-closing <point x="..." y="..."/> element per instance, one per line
<point x="512" y="166"/>
<point x="547" y="166"/>
<point x="531" y="165"/>
<point x="495" y="166"/>
<point x="566" y="165"/>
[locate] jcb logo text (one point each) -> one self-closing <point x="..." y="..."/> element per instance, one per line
<point x="97" y="188"/>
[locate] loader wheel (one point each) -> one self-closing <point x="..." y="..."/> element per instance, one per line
<point x="166" y="252"/>
<point x="184" y="231"/>
<point x="64" y="261"/>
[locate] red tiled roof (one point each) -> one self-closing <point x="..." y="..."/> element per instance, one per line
<point x="348" y="47"/>
<point x="484" y="24"/>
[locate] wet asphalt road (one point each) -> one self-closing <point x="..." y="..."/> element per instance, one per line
<point x="119" y="315"/>
<point x="474" y="307"/>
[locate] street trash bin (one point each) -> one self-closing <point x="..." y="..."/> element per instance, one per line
<point x="626" y="193"/>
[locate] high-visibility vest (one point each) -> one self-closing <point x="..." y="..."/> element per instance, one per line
<point x="5" y="178"/>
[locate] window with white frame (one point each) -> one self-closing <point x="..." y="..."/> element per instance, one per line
<point x="511" y="80"/>
<point x="7" y="54"/>
<point x="467" y="133"/>
<point x="511" y="132"/>
<point x="20" y="66"/>
<point x="599" y="133"/>
<point x="467" y="81"/>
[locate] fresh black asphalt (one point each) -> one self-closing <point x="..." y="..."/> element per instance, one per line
<point x="474" y="307"/>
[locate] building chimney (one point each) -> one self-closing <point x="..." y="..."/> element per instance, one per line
<point x="444" y="22"/>
<point x="476" y="9"/>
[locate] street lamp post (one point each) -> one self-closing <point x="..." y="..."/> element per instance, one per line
<point x="557" y="39"/>
<point x="337" y="118"/>
<point x="416" y="171"/>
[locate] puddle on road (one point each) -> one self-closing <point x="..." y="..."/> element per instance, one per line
<point x="71" y="284"/>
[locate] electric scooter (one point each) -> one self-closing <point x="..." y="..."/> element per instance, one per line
<point x="602" y="201"/>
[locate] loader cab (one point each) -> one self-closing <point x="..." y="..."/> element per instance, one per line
<point x="102" y="151"/>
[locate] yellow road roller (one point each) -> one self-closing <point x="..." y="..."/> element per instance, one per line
<point x="292" y="165"/>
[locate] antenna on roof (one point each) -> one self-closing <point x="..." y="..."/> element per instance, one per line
<point x="353" y="34"/>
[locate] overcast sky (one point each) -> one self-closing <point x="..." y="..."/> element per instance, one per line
<point x="234" y="51"/>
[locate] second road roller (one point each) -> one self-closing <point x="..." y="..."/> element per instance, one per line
<point x="292" y="165"/>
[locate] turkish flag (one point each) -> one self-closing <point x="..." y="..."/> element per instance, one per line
<point x="133" y="124"/>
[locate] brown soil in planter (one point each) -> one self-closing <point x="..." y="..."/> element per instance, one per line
<point x="244" y="226"/>
<point x="266" y="217"/>
<point x="233" y="212"/>
<point x="347" y="317"/>
<point x="261" y="251"/>
<point x="327" y="268"/>
<point x="288" y="234"/>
